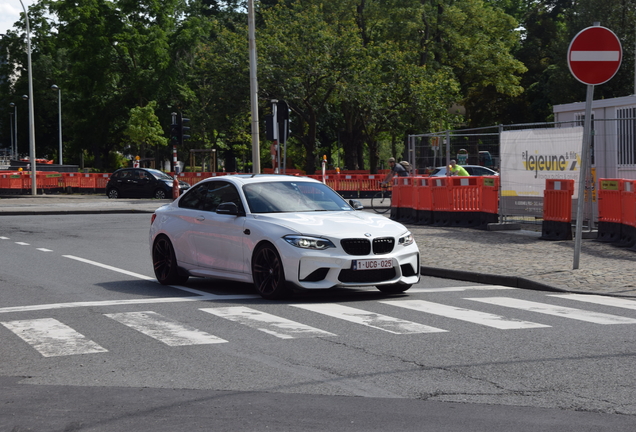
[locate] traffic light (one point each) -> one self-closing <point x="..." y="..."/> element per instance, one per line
<point x="183" y="130"/>
<point x="175" y="133"/>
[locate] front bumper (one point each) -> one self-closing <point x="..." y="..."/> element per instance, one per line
<point x="320" y="271"/>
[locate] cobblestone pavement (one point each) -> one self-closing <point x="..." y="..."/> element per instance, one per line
<point x="511" y="258"/>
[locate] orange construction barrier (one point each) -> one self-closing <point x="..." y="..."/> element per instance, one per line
<point x="423" y="201"/>
<point x="557" y="210"/>
<point x="396" y="197"/>
<point x="346" y="184"/>
<point x="441" y="199"/>
<point x="489" y="195"/>
<point x="628" y="214"/>
<point x="609" y="209"/>
<point x="369" y="184"/>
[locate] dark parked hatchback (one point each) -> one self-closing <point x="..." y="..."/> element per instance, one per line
<point x="141" y="183"/>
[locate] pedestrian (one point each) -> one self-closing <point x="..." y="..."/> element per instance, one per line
<point x="396" y="169"/>
<point x="457" y="170"/>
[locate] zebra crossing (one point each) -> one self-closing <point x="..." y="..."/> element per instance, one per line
<point x="52" y="338"/>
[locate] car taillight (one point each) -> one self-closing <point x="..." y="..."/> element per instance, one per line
<point x="152" y="219"/>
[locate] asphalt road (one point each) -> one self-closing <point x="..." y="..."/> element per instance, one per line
<point x="446" y="356"/>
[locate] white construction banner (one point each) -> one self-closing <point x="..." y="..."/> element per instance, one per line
<point x="530" y="156"/>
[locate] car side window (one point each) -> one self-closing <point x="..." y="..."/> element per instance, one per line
<point x="207" y="196"/>
<point x="195" y="197"/>
<point x="221" y="192"/>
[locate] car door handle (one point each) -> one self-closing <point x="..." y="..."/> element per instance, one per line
<point x="201" y="218"/>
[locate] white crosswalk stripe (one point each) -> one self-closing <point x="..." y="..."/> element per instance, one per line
<point x="476" y="317"/>
<point x="52" y="338"/>
<point x="164" y="329"/>
<point x="270" y="324"/>
<point x="601" y="300"/>
<point x="564" y="312"/>
<point x="369" y="319"/>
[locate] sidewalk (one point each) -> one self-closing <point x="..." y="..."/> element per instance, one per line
<point x="510" y="258"/>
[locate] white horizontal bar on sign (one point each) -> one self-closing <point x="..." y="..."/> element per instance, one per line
<point x="595" y="56"/>
<point x="164" y="329"/>
<point x="476" y="317"/>
<point x="270" y="324"/>
<point x="52" y="338"/>
<point x="560" y="311"/>
<point x="369" y="319"/>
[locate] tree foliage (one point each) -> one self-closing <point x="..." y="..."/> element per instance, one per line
<point x="358" y="75"/>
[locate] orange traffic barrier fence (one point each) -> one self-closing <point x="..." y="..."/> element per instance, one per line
<point x="609" y="209"/>
<point x="396" y="197"/>
<point x="406" y="199"/>
<point x="423" y="201"/>
<point x="346" y="184"/>
<point x="628" y="214"/>
<point x="557" y="210"/>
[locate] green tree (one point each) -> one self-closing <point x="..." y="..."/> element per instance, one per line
<point x="143" y="130"/>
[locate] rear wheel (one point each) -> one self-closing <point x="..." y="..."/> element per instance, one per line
<point x="381" y="202"/>
<point x="394" y="288"/>
<point x="165" y="264"/>
<point x="160" y="194"/>
<point x="268" y="273"/>
<point x="112" y="193"/>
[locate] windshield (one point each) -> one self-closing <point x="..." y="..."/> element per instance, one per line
<point x="159" y="174"/>
<point x="290" y="196"/>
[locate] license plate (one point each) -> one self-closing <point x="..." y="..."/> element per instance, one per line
<point x="372" y="264"/>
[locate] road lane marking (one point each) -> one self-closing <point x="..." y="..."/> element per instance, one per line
<point x="369" y="319"/>
<point x="560" y="311"/>
<point x="44" y="249"/>
<point x="151" y="279"/>
<point x="601" y="300"/>
<point x="23" y="243"/>
<point x="460" y="288"/>
<point x="52" y="338"/>
<point x="50" y="306"/>
<point x="476" y="317"/>
<point x="108" y="267"/>
<point x="4" y="238"/>
<point x="270" y="324"/>
<point x="163" y="329"/>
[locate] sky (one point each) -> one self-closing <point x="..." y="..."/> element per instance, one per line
<point x="10" y="13"/>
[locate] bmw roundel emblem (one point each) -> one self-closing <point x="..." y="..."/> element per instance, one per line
<point x="367" y="234"/>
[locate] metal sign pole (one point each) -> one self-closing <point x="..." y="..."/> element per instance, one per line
<point x="587" y="133"/>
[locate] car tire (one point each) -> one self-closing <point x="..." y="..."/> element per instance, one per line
<point x="165" y="263"/>
<point x="268" y="273"/>
<point x="112" y="193"/>
<point x="160" y="194"/>
<point x="396" y="288"/>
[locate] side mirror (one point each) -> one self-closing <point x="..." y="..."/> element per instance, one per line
<point x="357" y="205"/>
<point x="227" y="208"/>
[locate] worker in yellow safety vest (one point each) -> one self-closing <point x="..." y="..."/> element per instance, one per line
<point x="457" y="170"/>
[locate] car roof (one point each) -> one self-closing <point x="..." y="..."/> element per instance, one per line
<point x="244" y="179"/>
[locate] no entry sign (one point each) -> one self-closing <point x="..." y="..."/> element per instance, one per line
<point x="594" y="56"/>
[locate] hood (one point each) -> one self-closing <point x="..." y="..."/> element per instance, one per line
<point x="344" y="224"/>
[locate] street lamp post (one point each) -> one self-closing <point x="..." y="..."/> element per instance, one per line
<point x="15" y="127"/>
<point x="34" y="190"/>
<point x="59" y="110"/>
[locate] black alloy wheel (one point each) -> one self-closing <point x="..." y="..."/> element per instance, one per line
<point x="268" y="273"/>
<point x="160" y="194"/>
<point x="113" y="193"/>
<point x="165" y="263"/>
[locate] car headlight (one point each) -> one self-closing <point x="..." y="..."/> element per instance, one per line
<point x="305" y="242"/>
<point x="406" y="239"/>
